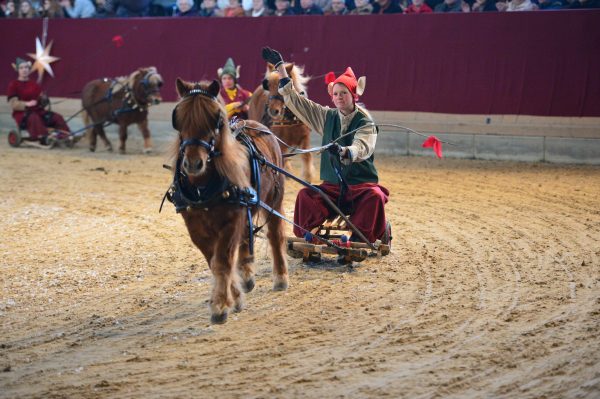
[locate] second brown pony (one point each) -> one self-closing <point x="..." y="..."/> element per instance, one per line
<point x="268" y="106"/>
<point x="122" y="101"/>
<point x="215" y="167"/>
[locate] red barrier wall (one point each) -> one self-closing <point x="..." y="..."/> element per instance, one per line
<point x="530" y="63"/>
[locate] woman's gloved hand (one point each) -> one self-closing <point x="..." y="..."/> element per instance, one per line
<point x="272" y="56"/>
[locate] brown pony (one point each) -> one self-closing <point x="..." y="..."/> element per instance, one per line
<point x="216" y="168"/>
<point x="270" y="108"/>
<point x="124" y="101"/>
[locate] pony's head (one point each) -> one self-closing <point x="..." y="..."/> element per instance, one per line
<point x="275" y="105"/>
<point x="146" y="84"/>
<point x="204" y="134"/>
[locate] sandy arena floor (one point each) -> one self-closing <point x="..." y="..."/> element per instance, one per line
<point x="492" y="289"/>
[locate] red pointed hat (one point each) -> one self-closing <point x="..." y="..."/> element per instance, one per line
<point x="356" y="87"/>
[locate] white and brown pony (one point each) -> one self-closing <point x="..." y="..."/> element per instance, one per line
<point x="123" y="101"/>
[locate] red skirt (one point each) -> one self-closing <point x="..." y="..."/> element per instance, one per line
<point x="364" y="202"/>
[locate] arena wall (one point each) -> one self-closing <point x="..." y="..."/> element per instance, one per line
<point x="494" y="82"/>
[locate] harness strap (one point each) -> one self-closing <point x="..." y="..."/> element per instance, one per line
<point x="336" y="165"/>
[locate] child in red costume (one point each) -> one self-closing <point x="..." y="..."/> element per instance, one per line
<point x="24" y="98"/>
<point x="235" y="97"/>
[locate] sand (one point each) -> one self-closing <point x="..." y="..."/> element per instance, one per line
<point x="491" y="289"/>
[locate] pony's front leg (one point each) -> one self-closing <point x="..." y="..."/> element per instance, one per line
<point x="246" y="267"/>
<point x="122" y="137"/>
<point x="226" y="289"/>
<point x="143" y="126"/>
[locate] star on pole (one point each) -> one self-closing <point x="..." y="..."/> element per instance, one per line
<point x="43" y="59"/>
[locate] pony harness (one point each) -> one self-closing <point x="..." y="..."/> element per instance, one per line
<point x="186" y="197"/>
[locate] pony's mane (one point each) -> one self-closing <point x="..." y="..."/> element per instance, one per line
<point x="199" y="114"/>
<point x="296" y="74"/>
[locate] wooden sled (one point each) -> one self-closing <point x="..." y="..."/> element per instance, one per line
<point x="336" y="231"/>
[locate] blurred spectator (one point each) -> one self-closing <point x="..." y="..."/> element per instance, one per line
<point x="585" y="4"/>
<point x="259" y="9"/>
<point x="163" y="8"/>
<point x="516" y="5"/>
<point x="363" y="7"/>
<point x="308" y="7"/>
<point x="51" y="9"/>
<point x="484" y="6"/>
<point x="418" y="7"/>
<point x="338" y="7"/>
<point x="282" y="7"/>
<point x="404" y="4"/>
<point x="26" y="10"/>
<point x="222" y="4"/>
<point x="324" y="5"/>
<point x="101" y="11"/>
<point x="209" y="8"/>
<point x="234" y="9"/>
<point x="128" y="8"/>
<point x="185" y="8"/>
<point x="386" y="7"/>
<point x="10" y="9"/>
<point x="79" y="8"/>
<point x="247" y="6"/>
<point x="450" y="6"/>
<point x="551" y="4"/>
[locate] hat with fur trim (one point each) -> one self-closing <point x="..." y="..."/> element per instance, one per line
<point x="229" y="69"/>
<point x="356" y="87"/>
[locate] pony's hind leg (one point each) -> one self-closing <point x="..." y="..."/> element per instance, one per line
<point x="92" y="137"/>
<point x="246" y="267"/>
<point x="105" y="139"/>
<point x="143" y="126"/>
<point x="237" y="292"/>
<point x="122" y="138"/>
<point x="277" y="240"/>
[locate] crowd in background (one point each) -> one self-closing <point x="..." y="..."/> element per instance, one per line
<point x="262" y="8"/>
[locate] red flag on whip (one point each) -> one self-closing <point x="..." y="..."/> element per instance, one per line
<point x="434" y="142"/>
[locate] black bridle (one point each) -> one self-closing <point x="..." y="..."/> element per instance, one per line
<point x="149" y="87"/>
<point x="209" y="146"/>
<point x="286" y="117"/>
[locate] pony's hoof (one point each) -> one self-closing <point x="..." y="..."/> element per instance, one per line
<point x="122" y="151"/>
<point x="249" y="285"/>
<point x="147" y="151"/>
<point x="219" y="318"/>
<point x="280" y="286"/>
<point x="92" y="149"/>
<point x="238" y="307"/>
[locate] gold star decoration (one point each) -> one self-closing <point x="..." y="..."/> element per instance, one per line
<point x="43" y="59"/>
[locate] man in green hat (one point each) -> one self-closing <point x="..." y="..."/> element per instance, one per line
<point x="235" y="97"/>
